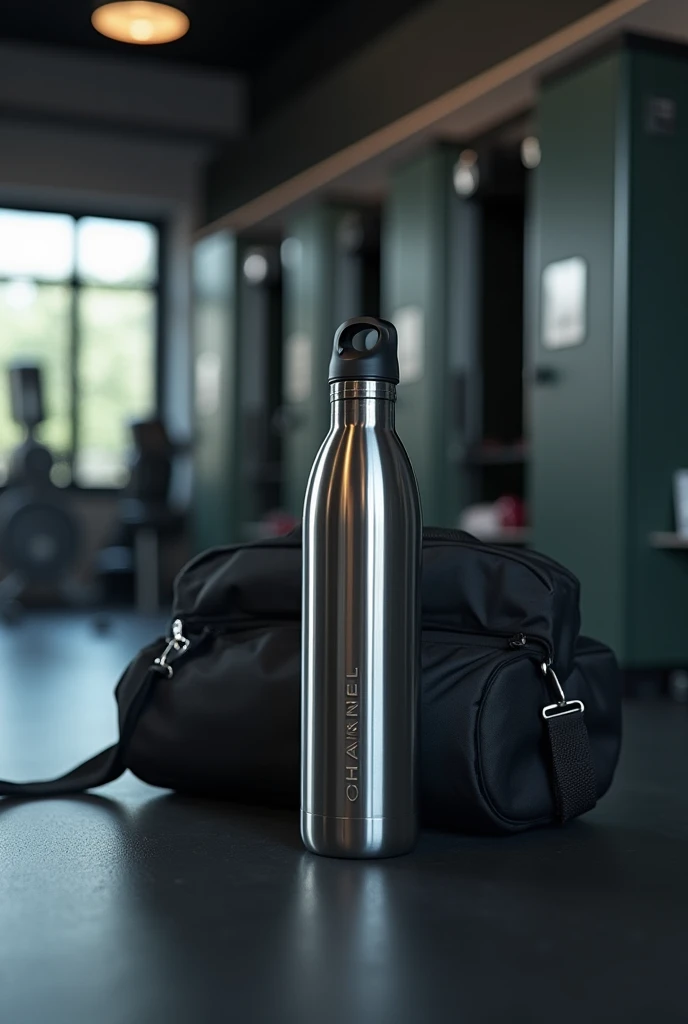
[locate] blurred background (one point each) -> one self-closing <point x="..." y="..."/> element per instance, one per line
<point x="192" y="198"/>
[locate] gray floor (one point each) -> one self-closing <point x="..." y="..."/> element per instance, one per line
<point x="139" y="907"/>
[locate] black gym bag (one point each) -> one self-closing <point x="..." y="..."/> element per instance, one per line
<point x="214" y="710"/>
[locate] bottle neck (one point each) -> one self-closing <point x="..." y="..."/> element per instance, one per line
<point x="367" y="403"/>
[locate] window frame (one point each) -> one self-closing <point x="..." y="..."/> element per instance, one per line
<point x="76" y="286"/>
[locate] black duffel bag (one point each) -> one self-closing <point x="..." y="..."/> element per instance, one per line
<point x="214" y="709"/>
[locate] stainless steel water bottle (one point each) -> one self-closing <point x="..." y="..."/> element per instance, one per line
<point x="361" y="612"/>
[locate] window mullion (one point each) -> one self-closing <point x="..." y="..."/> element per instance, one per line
<point x="74" y="349"/>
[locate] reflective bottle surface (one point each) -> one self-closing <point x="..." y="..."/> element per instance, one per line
<point x="361" y="617"/>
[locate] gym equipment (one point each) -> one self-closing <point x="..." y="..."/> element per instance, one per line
<point x="39" y="534"/>
<point x="146" y="516"/>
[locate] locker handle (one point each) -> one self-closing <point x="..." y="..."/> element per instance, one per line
<point x="546" y="375"/>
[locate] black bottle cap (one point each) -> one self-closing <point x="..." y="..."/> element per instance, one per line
<point x="365" y="348"/>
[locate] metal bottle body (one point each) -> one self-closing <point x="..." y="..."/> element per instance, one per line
<point x="361" y="633"/>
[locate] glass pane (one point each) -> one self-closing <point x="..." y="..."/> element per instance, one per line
<point x="35" y="327"/>
<point x="117" y="251"/>
<point x="116" y="380"/>
<point x="36" y="245"/>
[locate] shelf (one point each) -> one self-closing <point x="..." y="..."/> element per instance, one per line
<point x="498" y="455"/>
<point x="507" y="535"/>
<point x="668" y="541"/>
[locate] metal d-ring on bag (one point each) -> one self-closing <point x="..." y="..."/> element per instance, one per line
<point x="176" y="645"/>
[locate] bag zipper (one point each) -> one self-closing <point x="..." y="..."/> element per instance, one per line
<point x="434" y="533"/>
<point x="178" y="644"/>
<point x="497" y="641"/>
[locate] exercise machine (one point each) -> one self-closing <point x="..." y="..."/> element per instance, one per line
<point x="39" y="533"/>
<point x="147" y="518"/>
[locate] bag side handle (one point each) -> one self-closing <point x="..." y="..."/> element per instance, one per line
<point x="574" y="779"/>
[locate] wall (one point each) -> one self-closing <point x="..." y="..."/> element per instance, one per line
<point x="119" y="136"/>
<point x="129" y="92"/>
<point x="117" y="175"/>
<point x="100" y="136"/>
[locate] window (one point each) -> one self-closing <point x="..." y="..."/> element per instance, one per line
<point x="79" y="296"/>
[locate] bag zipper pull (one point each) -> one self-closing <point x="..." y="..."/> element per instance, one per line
<point x="177" y="645"/>
<point x="519" y="640"/>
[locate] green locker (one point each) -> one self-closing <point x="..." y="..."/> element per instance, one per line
<point x="216" y="505"/>
<point x="330" y="261"/>
<point x="609" y="313"/>
<point x="237" y="382"/>
<point x="429" y="289"/>
<point x="259" y="317"/>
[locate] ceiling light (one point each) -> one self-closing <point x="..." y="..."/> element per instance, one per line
<point x="256" y="268"/>
<point x="466" y="174"/>
<point x="140" y="21"/>
<point x="530" y="152"/>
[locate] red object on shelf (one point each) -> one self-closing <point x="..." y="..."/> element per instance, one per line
<point x="511" y="511"/>
<point x="279" y="523"/>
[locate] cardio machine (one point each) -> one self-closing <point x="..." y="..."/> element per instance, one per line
<point x="39" y="533"/>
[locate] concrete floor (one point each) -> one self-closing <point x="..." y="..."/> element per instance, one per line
<point x="139" y="907"/>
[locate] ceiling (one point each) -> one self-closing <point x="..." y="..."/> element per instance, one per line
<point x="232" y="35"/>
<point x="498" y="101"/>
<point x="237" y="35"/>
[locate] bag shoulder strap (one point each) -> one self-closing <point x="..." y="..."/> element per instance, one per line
<point x="575" y="783"/>
<point x="105" y="767"/>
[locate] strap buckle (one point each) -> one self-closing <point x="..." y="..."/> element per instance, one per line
<point x="564" y="706"/>
<point x="177" y="644"/>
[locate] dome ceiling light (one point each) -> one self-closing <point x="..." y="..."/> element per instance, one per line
<point x="140" y="21"/>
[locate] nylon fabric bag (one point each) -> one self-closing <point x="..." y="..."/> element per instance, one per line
<point x="220" y="717"/>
